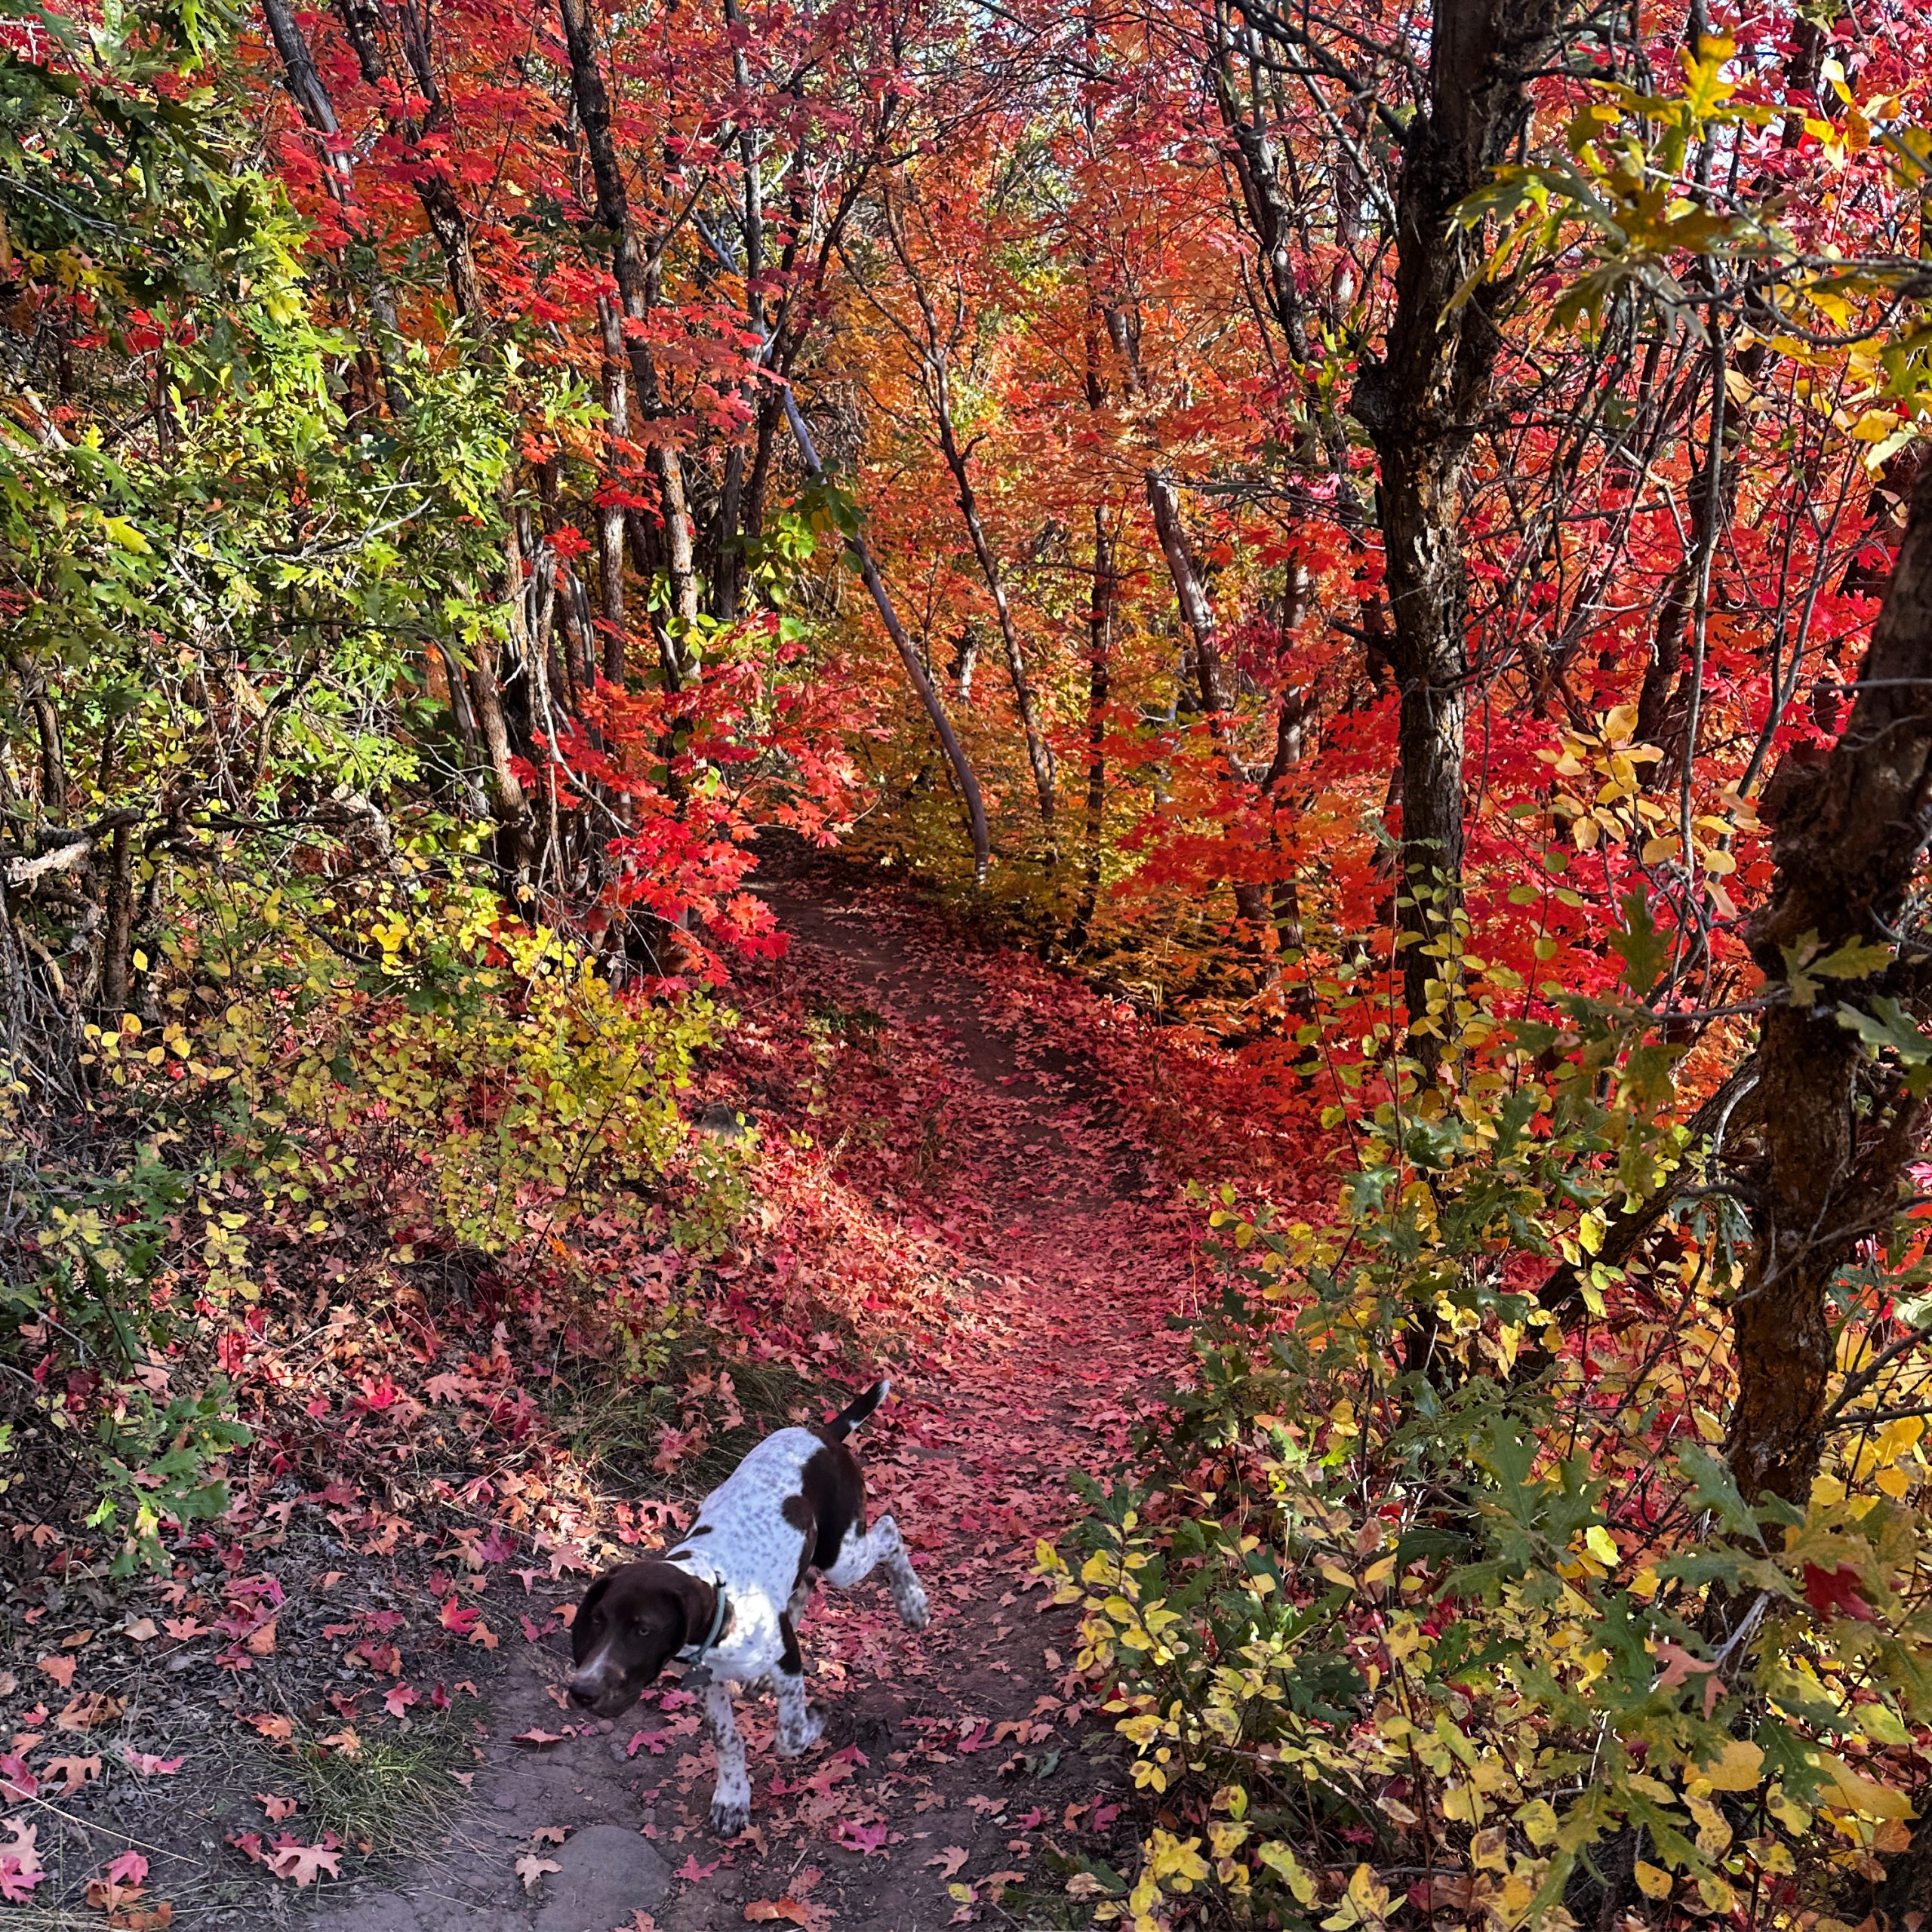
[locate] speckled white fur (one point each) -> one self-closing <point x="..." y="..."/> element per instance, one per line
<point x="742" y="1544"/>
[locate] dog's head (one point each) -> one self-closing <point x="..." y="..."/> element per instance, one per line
<point x="633" y="1621"/>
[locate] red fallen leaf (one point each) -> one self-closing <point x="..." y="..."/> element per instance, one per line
<point x="17" y="1783"/>
<point x="277" y="1729"/>
<point x="950" y="1860"/>
<point x="183" y="1628"/>
<point x="302" y="1864"/>
<point x="19" y="1863"/>
<point x="398" y="1698"/>
<point x="653" y="1741"/>
<point x="690" y="1872"/>
<point x="541" y="1737"/>
<point x="119" y="1884"/>
<point x="460" y="1618"/>
<point x="1837" y="1592"/>
<point x="148" y="1764"/>
<point x="864" y="1839"/>
<point x="61" y="1669"/>
<point x="277" y="1807"/>
<point x="791" y="1911"/>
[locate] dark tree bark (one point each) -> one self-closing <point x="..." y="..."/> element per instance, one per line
<point x="1099" y="652"/>
<point x="1420" y="404"/>
<point x="611" y="516"/>
<point x="636" y="276"/>
<point x="434" y="189"/>
<point x="1838" y="1129"/>
<point x="1039" y="753"/>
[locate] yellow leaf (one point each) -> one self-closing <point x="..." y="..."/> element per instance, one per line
<point x="1848" y="1791"/>
<point x="1601" y="1544"/>
<point x="1653" y="1880"/>
<point x="1739" y="1767"/>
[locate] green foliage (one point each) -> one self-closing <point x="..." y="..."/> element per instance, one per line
<point x="1407" y="1575"/>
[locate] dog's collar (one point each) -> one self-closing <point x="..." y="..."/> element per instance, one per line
<point x="717" y="1630"/>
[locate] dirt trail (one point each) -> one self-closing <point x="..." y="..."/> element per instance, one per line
<point x="952" y="1762"/>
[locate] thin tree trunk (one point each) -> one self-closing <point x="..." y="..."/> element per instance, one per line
<point x="611" y="516"/>
<point x="434" y="189"/>
<point x="1419" y="404"/>
<point x="955" y="752"/>
<point x="1039" y="753"/>
<point x="1838" y="1128"/>
<point x="636" y="276"/>
<point x="1099" y="652"/>
<point x="1197" y="610"/>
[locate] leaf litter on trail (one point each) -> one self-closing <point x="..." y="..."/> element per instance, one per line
<point x="955" y="1213"/>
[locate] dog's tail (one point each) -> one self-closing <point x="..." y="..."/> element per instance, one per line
<point x="848" y="1419"/>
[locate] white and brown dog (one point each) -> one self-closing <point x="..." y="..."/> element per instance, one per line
<point x="728" y="1595"/>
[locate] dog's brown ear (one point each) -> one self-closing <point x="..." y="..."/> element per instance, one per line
<point x="580" y="1623"/>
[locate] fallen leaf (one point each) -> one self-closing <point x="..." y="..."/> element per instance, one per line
<point x="91" y="1708"/>
<point x="277" y="1807"/>
<point x="143" y="1630"/>
<point x="541" y="1737"/>
<point x="19" y="1863"/>
<point x="75" y="1771"/>
<point x="550" y="1834"/>
<point x="119" y="1884"/>
<point x="302" y="1864"/>
<point x="950" y="1860"/>
<point x="277" y="1729"/>
<point x="530" y="1869"/>
<point x="148" y="1764"/>
<point x="61" y="1669"/>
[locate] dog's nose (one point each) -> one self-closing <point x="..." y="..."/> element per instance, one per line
<point x="581" y="1693"/>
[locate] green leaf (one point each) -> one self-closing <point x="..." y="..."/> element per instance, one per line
<point x="1637" y="943"/>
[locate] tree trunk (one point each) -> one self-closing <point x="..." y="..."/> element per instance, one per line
<point x="1039" y="754"/>
<point x="955" y="752"/>
<point x="611" y="516"/>
<point x="440" y="208"/>
<point x="636" y="277"/>
<point x="1838" y="1128"/>
<point x="1420" y="404"/>
<point x="1099" y="650"/>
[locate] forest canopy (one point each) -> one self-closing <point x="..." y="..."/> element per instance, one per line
<point x="1394" y="550"/>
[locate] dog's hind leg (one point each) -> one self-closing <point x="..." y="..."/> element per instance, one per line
<point x="799" y="1726"/>
<point x="731" y="1801"/>
<point x="882" y="1548"/>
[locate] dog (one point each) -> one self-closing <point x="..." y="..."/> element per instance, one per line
<point x="728" y="1596"/>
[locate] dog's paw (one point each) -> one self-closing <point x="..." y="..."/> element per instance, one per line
<point x="796" y="1743"/>
<point x="729" y="1815"/>
<point x="912" y="1610"/>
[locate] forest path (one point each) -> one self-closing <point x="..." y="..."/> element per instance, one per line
<point x="952" y="1762"/>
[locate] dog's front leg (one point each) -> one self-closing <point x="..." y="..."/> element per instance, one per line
<point x="799" y="1726"/>
<point x="731" y="1802"/>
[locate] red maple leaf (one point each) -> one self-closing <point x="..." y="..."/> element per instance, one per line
<point x="1836" y="1592"/>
